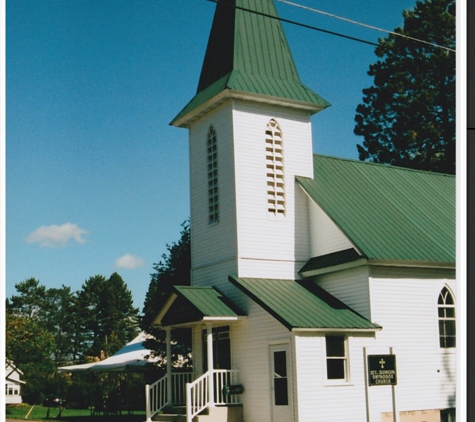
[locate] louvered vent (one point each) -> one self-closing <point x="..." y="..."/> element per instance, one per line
<point x="275" y="169"/>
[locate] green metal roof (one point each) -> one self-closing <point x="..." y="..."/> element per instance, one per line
<point x="331" y="260"/>
<point x="248" y="53"/>
<point x="302" y="307"/>
<point x="208" y="301"/>
<point x="189" y="304"/>
<point x="388" y="213"/>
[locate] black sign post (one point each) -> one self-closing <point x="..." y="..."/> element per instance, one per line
<point x="382" y="370"/>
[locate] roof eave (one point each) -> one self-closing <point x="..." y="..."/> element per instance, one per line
<point x="157" y="321"/>
<point x="227" y="94"/>
<point x="381" y="263"/>
<point x="337" y="330"/>
<point x="334" y="268"/>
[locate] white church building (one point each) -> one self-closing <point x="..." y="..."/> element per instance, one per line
<point x="323" y="289"/>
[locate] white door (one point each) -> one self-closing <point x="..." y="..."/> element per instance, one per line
<point x="281" y="383"/>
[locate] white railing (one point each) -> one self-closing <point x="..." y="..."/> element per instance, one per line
<point x="156" y="397"/>
<point x="197" y="396"/>
<point x="195" y="393"/>
<point x="156" y="394"/>
<point x="179" y="381"/>
<point x="222" y="378"/>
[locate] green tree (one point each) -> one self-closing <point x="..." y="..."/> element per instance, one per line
<point x="173" y="269"/>
<point x="30" y="300"/>
<point x="30" y="347"/>
<point x="408" y="116"/>
<point x="51" y="309"/>
<point x="105" y="314"/>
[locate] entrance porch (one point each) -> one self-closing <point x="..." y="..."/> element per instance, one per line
<point x="211" y="391"/>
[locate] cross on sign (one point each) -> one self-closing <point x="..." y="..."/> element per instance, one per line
<point x="382" y="362"/>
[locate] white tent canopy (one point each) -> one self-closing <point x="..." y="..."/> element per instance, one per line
<point x="133" y="357"/>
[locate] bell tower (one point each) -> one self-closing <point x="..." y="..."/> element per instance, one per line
<point x="249" y="136"/>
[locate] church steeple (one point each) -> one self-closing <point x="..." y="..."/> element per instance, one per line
<point x="248" y="57"/>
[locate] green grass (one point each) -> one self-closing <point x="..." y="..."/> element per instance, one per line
<point x="40" y="413"/>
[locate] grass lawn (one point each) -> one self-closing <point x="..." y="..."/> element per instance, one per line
<point x="40" y="413"/>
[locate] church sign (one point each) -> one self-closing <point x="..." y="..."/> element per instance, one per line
<point x="382" y="370"/>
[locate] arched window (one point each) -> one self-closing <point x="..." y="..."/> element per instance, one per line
<point x="213" y="192"/>
<point x="275" y="169"/>
<point x="446" y="307"/>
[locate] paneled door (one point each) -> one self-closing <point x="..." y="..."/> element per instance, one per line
<point x="281" y="383"/>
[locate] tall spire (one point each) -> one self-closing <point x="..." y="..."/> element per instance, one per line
<point x="248" y="56"/>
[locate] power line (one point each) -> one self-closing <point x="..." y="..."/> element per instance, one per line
<point x="364" y="25"/>
<point x="299" y="24"/>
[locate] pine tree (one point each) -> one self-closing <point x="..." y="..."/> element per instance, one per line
<point x="408" y="116"/>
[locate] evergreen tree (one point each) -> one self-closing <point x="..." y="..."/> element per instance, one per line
<point x="408" y="117"/>
<point x="173" y="269"/>
<point x="105" y="313"/>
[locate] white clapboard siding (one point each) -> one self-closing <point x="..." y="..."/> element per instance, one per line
<point x="351" y="287"/>
<point x="276" y="269"/>
<point x="260" y="235"/>
<point x="317" y="399"/>
<point x="407" y="311"/>
<point x="251" y="340"/>
<point x="326" y="237"/>
<point x="212" y="243"/>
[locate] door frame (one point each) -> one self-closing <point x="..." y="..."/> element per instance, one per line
<point x="277" y="347"/>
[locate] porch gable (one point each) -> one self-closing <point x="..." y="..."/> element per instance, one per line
<point x="190" y="304"/>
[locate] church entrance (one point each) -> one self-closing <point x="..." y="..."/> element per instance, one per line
<point x="221" y="348"/>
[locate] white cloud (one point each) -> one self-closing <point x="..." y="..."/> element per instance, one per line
<point x="129" y="261"/>
<point x="53" y="236"/>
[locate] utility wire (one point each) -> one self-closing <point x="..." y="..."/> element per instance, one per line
<point x="363" y="24"/>
<point x="299" y="24"/>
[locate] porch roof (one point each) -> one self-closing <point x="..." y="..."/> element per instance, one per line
<point x="303" y="308"/>
<point x="190" y="304"/>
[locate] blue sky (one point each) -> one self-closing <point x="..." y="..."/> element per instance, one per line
<point x="96" y="178"/>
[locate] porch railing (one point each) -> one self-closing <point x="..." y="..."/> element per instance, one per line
<point x="197" y="396"/>
<point x="222" y="378"/>
<point x="195" y="393"/>
<point x="156" y="394"/>
<point x="156" y="397"/>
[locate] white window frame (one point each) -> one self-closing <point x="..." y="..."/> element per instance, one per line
<point x="444" y="306"/>
<point x="346" y="361"/>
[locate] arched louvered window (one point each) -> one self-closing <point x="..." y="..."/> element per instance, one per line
<point x="446" y="308"/>
<point x="213" y="192"/>
<point x="275" y="169"/>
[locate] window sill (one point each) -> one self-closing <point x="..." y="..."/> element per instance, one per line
<point x="338" y="383"/>
<point x="447" y="350"/>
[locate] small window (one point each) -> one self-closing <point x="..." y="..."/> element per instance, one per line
<point x="337" y="361"/>
<point x="213" y="192"/>
<point x="446" y="311"/>
<point x="275" y="169"/>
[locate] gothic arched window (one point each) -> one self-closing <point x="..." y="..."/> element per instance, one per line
<point x="446" y="309"/>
